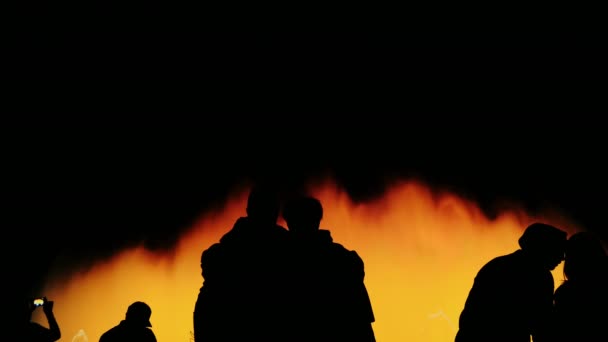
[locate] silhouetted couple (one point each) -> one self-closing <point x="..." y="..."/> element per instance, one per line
<point x="265" y="283"/>
<point x="512" y="297"/>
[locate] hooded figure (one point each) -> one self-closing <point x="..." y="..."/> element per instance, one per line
<point x="242" y="296"/>
<point x="329" y="300"/>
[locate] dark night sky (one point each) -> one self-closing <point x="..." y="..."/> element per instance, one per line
<point x="85" y="195"/>
<point x="161" y="116"/>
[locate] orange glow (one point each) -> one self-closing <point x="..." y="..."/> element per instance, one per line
<point x="421" y="249"/>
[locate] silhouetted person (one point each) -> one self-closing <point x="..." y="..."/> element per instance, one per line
<point x="134" y="328"/>
<point x="242" y="297"/>
<point x="512" y="295"/>
<point x="582" y="299"/>
<point x="35" y="332"/>
<point x="329" y="301"/>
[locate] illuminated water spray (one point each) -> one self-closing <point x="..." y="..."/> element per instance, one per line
<point x="438" y="326"/>
<point x="80" y="336"/>
<point x="441" y="315"/>
<point x="422" y="250"/>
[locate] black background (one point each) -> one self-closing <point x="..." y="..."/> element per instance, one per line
<point x="126" y="122"/>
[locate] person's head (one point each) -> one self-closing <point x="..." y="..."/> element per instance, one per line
<point x="139" y="313"/>
<point x="263" y="204"/>
<point x="26" y="308"/>
<point x="585" y="257"/>
<point x="545" y="243"/>
<point x="303" y="215"/>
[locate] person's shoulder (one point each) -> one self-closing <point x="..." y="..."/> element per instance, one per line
<point x="280" y="229"/>
<point x="150" y="336"/>
<point x="566" y="294"/>
<point x="498" y="266"/>
<point x="355" y="259"/>
<point x="355" y="256"/>
<point x="280" y="232"/>
<point x="107" y="335"/>
<point x="276" y="239"/>
<point x="235" y="232"/>
<point x="213" y="249"/>
<point x="349" y="261"/>
<point x="340" y="248"/>
<point x="562" y="289"/>
<point x="504" y="260"/>
<point x="348" y="255"/>
<point x="211" y="253"/>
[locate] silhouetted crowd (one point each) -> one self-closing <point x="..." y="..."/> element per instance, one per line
<point x="265" y="282"/>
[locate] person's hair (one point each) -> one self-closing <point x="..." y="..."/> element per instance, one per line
<point x="585" y="257"/>
<point x="263" y="201"/>
<point x="304" y="208"/>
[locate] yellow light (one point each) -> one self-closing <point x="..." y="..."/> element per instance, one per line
<point x="421" y="251"/>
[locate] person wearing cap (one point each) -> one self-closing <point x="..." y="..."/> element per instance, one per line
<point x="511" y="298"/>
<point x="134" y="328"/>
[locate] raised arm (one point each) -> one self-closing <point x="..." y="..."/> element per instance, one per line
<point x="54" y="332"/>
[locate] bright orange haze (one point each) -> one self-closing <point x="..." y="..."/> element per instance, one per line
<point x="421" y="249"/>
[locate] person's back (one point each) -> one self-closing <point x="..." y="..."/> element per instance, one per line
<point x="582" y="298"/>
<point x="497" y="306"/>
<point x="243" y="285"/>
<point x="127" y="332"/>
<point x="330" y="301"/>
<point x="134" y="328"/>
<point x="511" y="296"/>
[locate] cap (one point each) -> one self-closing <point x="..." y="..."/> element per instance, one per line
<point x="539" y="236"/>
<point x="139" y="312"/>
